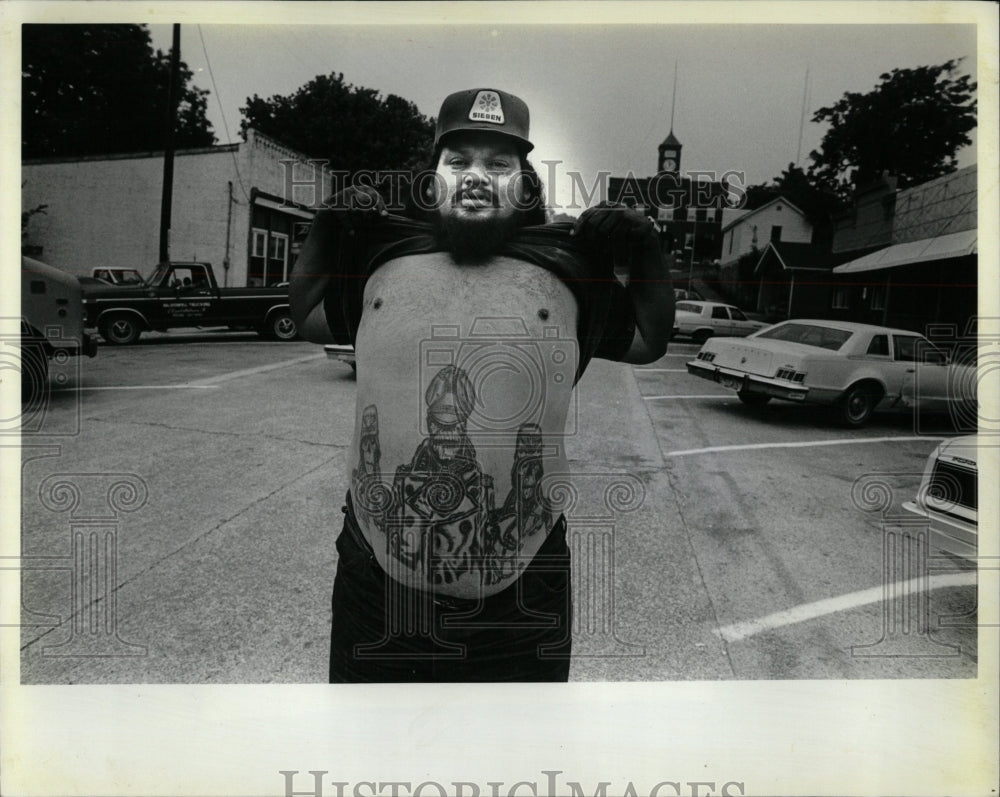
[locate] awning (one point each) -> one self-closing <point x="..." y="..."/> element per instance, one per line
<point x="283" y="207"/>
<point x="956" y="244"/>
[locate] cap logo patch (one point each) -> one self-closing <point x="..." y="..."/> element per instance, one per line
<point x="487" y="108"/>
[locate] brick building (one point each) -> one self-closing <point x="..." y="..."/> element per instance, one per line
<point x="687" y="211"/>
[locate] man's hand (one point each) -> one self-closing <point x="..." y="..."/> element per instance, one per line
<point x="611" y="226"/>
<point x="628" y="239"/>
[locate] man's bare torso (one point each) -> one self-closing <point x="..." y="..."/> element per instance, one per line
<point x="465" y="375"/>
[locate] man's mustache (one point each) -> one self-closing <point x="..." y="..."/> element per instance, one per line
<point x="476" y="195"/>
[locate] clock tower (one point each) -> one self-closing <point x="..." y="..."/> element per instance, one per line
<point x="670" y="155"/>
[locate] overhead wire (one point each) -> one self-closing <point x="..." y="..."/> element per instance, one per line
<point x="222" y="113"/>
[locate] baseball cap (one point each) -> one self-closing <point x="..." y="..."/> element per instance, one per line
<point x="484" y="109"/>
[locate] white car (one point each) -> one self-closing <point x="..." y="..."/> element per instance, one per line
<point x="855" y="368"/>
<point x="703" y="320"/>
<point x="948" y="497"/>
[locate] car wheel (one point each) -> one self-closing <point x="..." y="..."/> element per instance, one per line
<point x="752" y="399"/>
<point x="701" y="336"/>
<point x="280" y="326"/>
<point x="120" y="330"/>
<point x="858" y="404"/>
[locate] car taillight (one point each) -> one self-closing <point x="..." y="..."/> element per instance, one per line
<point x="790" y="374"/>
<point x="707" y="356"/>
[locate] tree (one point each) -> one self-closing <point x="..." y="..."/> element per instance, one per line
<point x="98" y="89"/>
<point x="26" y="216"/>
<point x="352" y="128"/>
<point x="911" y="124"/>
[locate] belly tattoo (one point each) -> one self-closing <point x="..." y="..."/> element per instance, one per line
<point x="439" y="513"/>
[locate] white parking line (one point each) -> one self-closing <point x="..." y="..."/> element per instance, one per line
<point x="714" y="396"/>
<point x="662" y="370"/>
<point x="134" y="387"/>
<point x="852" y="600"/>
<point x="260" y="369"/>
<point x="800" y="443"/>
<point x="208" y="383"/>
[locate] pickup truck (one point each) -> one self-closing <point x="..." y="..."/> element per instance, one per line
<point x="185" y="294"/>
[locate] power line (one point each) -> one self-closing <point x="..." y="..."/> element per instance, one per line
<point x="222" y="113"/>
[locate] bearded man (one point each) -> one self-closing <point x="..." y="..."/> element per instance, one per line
<point x="470" y="331"/>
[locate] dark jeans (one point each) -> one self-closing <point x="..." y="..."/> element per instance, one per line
<point x="384" y="631"/>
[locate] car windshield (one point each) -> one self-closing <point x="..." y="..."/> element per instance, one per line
<point x="688" y="307"/>
<point x="808" y="335"/>
<point x="130" y="278"/>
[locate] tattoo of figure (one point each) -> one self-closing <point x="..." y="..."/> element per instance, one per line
<point x="367" y="477"/>
<point x="440" y="517"/>
<point x="523" y="513"/>
<point x="442" y="501"/>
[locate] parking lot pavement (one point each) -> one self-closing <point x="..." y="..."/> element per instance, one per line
<point x="655" y="621"/>
<point x="795" y="565"/>
<point x="223" y="568"/>
<point x="710" y="542"/>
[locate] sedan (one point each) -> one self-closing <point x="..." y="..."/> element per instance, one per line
<point x="948" y="497"/>
<point x="854" y="368"/>
<point x="703" y="320"/>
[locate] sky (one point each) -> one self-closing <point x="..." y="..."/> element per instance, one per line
<point x="601" y="96"/>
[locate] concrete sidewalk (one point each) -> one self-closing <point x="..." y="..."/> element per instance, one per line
<point x="652" y="618"/>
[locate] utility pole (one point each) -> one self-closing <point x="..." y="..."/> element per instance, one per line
<point x="694" y="239"/>
<point x="802" y="121"/>
<point x="673" y="98"/>
<point x="173" y="92"/>
<point x="229" y="224"/>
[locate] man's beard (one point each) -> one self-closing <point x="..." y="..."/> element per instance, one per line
<point x="472" y="239"/>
